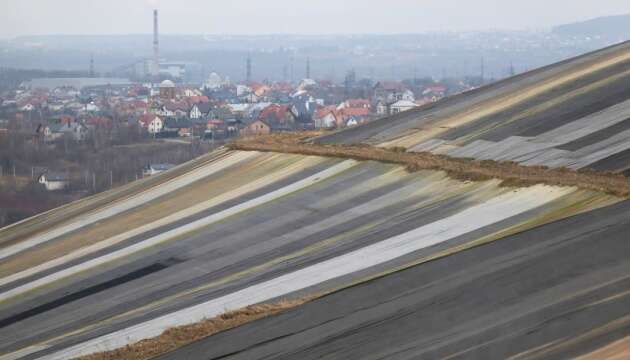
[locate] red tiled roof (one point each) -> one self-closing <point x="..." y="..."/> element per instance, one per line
<point x="146" y="119"/>
<point x="323" y="112"/>
<point x="347" y="112"/>
<point x="279" y="112"/>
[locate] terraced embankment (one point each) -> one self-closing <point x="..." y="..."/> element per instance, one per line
<point x="457" y="258"/>
<point x="246" y="228"/>
<point x="555" y="292"/>
<point x="574" y="114"/>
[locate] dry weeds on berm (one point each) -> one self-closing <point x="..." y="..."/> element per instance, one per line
<point x="512" y="174"/>
<point x="177" y="337"/>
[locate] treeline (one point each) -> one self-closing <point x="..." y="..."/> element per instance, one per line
<point x="11" y="78"/>
<point x="107" y="158"/>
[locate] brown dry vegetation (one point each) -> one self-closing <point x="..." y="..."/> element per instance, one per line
<point x="175" y="338"/>
<point x="512" y="174"/>
<point x="618" y="350"/>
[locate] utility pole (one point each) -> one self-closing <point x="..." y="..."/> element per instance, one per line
<point x="192" y="142"/>
<point x="248" y="75"/>
<point x="483" y="69"/>
<point x="415" y="75"/>
<point x="92" y="65"/>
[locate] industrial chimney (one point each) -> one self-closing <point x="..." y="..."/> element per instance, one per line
<point x="156" y="48"/>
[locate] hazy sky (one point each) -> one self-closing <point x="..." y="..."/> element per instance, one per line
<point x="27" y="17"/>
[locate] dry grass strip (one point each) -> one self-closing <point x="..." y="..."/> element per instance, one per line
<point x="177" y="337"/>
<point x="512" y="173"/>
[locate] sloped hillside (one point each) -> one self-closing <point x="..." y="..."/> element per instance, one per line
<point x="379" y="260"/>
<point x="574" y="114"/>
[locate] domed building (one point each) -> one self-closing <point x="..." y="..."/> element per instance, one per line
<point x="167" y="89"/>
<point x="214" y="82"/>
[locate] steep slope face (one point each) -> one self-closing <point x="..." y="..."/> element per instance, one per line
<point x="573" y="114"/>
<point x="245" y="228"/>
<point x="554" y="292"/>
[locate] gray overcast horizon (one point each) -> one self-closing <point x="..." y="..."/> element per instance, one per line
<point x="89" y="17"/>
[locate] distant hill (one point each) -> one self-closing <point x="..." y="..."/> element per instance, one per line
<point x="610" y="26"/>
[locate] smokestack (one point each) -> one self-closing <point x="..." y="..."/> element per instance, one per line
<point x="156" y="47"/>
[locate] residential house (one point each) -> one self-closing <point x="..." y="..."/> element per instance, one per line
<point x="239" y="110"/>
<point x="382" y="108"/>
<point x="304" y="107"/>
<point x="389" y="92"/>
<point x="438" y="91"/>
<point x="253" y="110"/>
<point x="154" y="169"/>
<point x="307" y="84"/>
<point x="54" y="181"/>
<point x="275" y="118"/>
<point x="258" y="127"/>
<point x="243" y="90"/>
<point x="190" y="92"/>
<point x="27" y="107"/>
<point x="173" y="109"/>
<point x="326" y="118"/>
<point x="260" y="90"/>
<point x="152" y="123"/>
<point x="215" y="124"/>
<point x="355" y="111"/>
<point x="167" y="90"/>
<point x="402" y="105"/>
<point x="355" y="104"/>
<point x="181" y="127"/>
<point x="74" y="131"/>
<point x="279" y="115"/>
<point x="352" y="121"/>
<point x="92" y="107"/>
<point x="199" y="111"/>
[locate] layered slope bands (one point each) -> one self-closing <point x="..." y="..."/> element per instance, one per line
<point x="402" y="265"/>
<point x="574" y="114"/>
<point x="548" y="293"/>
<point x="242" y="229"/>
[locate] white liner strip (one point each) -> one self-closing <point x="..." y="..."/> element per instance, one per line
<point x="126" y="204"/>
<point x="230" y="195"/>
<point x="473" y="218"/>
<point x="195" y="225"/>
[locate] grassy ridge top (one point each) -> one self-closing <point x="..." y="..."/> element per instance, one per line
<point x="512" y="173"/>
